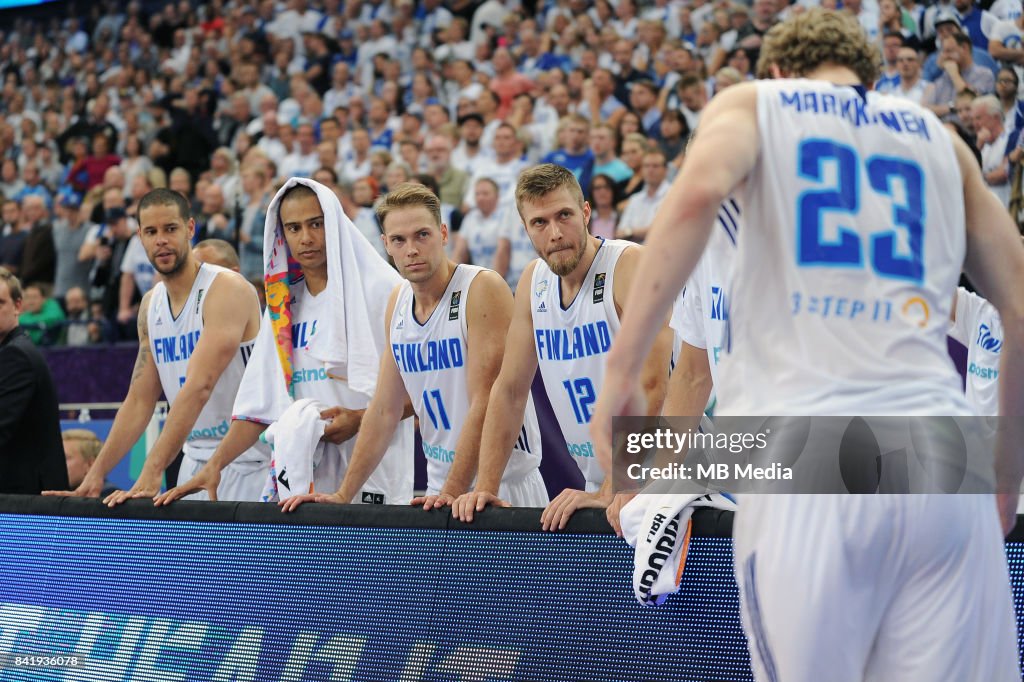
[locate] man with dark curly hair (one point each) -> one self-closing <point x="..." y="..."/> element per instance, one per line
<point x="855" y="207"/>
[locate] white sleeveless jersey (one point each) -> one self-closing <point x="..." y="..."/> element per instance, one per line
<point x="392" y="481"/>
<point x="572" y="347"/>
<point x="978" y="327"/>
<point x="173" y="340"/>
<point x="432" y="359"/>
<point x="845" y="271"/>
<point x="700" y="313"/>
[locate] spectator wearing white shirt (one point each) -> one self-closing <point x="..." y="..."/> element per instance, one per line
<point x="636" y="219"/>
<point x="470" y="153"/>
<point x="483" y="229"/>
<point x="304" y="160"/>
<point x="911" y="85"/>
<point x="357" y="163"/>
<point x="993" y="141"/>
<point x="503" y="169"/>
<point x="342" y="88"/>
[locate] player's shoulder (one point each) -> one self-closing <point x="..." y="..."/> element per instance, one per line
<point x="227" y="283"/>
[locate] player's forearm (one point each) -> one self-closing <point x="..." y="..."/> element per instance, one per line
<point x="672" y="249"/>
<point x="1009" y="462"/>
<point x="505" y="412"/>
<point x="242" y="435"/>
<point x="375" y="433"/>
<point x="467" y="451"/>
<point x="180" y="420"/>
<point x="130" y="422"/>
<point x="687" y="395"/>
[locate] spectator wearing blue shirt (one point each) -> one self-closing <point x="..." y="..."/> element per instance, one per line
<point x="946" y="24"/>
<point x="34" y="185"/>
<point x="575" y="154"/>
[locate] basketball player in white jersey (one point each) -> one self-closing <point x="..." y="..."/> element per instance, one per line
<point x="446" y="326"/>
<point x="854" y="209"/>
<point x="302" y="218"/>
<point x="196" y="330"/>
<point x="567" y="309"/>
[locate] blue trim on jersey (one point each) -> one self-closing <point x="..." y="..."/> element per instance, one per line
<point x="728" y="223"/>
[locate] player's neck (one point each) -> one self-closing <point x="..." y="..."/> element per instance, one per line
<point x="316" y="280"/>
<point x="833" y="73"/>
<point x="179" y="285"/>
<point x="427" y="294"/>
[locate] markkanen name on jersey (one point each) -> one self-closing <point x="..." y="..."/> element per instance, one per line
<point x="430" y="356"/>
<point x="854" y="110"/>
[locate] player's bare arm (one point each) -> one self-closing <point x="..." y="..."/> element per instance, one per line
<point x="232" y="302"/>
<point x="995" y="262"/>
<point x="718" y="160"/>
<point x="132" y="417"/>
<point x="506" y="405"/>
<point x="489" y="315"/>
<point x="387" y="408"/>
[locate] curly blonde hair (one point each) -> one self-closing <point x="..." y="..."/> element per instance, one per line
<point x="819" y="36"/>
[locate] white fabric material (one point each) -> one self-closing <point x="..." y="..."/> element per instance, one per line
<point x="572" y="344"/>
<point x="241" y="481"/>
<point x="657" y="526"/>
<point x="978" y="327"/>
<point x="296" y="448"/>
<point x="860" y="322"/>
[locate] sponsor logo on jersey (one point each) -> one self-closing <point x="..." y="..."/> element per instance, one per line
<point x="840" y="307"/>
<point x="581" y="450"/>
<point x="977" y="370"/>
<point x="438" y="453"/>
<point x="211" y="433"/>
<point x="282" y="478"/>
<point x="599" y="287"/>
<point x="159" y="321"/>
<point x="453" y="307"/>
<point x="987" y="341"/>
<point x="916" y="311"/>
<point x="401" y="323"/>
<point x="542" y="308"/>
<point x="199" y="300"/>
<point x="541" y="288"/>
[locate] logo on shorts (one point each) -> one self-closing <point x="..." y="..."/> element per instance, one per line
<point x="283" y="480"/>
<point x="373" y="498"/>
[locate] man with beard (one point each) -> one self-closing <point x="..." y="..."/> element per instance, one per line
<point x="197" y="367"/>
<point x="567" y="310"/>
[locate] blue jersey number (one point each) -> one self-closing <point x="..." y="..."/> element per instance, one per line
<point x="887" y="176"/>
<point x="582" y="396"/>
<point x="439" y="404"/>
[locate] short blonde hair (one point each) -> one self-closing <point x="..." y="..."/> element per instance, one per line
<point x="816" y="37"/>
<point x="409" y="195"/>
<point x="541" y="180"/>
<point x="89" y="444"/>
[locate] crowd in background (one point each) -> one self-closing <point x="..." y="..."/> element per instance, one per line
<point x="224" y="101"/>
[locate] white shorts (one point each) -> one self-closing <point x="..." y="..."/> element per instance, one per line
<point x="240" y="481"/>
<point x="854" y="587"/>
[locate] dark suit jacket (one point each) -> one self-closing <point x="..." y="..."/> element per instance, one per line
<point x="31" y="451"/>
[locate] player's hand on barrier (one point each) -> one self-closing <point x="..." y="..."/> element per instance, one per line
<point x="1007" y="503"/>
<point x="558" y="512"/>
<point x="207" y="479"/>
<point x="466" y="505"/>
<point x="612" y="513"/>
<point x="146" y="486"/>
<point x="429" y="502"/>
<point x="90" y="486"/>
<point x="295" y="501"/>
<point x="344" y="424"/>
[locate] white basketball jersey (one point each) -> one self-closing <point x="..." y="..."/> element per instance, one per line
<point x="700" y="314"/>
<point x="392" y="481"/>
<point x="978" y="327"/>
<point x="173" y="340"/>
<point x="432" y="359"/>
<point x="572" y="346"/>
<point x="845" y="271"/>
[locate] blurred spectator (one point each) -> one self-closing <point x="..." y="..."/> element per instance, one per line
<point x="484" y="228"/>
<point x="604" y="217"/>
<point x="911" y="86"/>
<point x="39" y="259"/>
<point x="634" y="146"/>
<point x="10" y="179"/>
<point x="451" y="181"/>
<point x="31" y="456"/>
<point x="674" y="135"/>
<point x="217" y="252"/>
<point x="959" y="73"/>
<point x="470" y="152"/>
<point x="365" y="192"/>
<point x="69" y="233"/>
<point x="256" y="186"/>
<point x="575" y="154"/>
<point x="33" y="185"/>
<point x="81" y="447"/>
<point x="213" y="220"/>
<point x="357" y="162"/>
<point x="995" y="143"/>
<point x="41" y="316"/>
<point x="503" y="169"/>
<point x="636" y="219"/>
<point x="94" y="165"/>
<point x="76" y="307"/>
<point x="603" y="143"/>
<point x="1007" y="85"/>
<point x="12" y="236"/>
